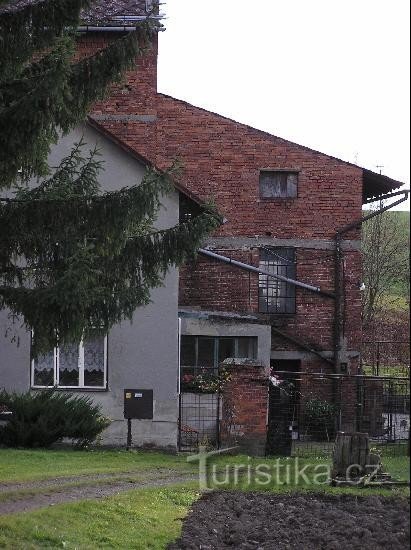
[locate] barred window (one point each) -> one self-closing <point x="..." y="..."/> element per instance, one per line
<point x="276" y="296"/>
<point x="278" y="184"/>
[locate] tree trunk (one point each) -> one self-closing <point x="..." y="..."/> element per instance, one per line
<point x="351" y="455"/>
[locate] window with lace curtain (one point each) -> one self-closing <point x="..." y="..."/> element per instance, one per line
<point x="73" y="366"/>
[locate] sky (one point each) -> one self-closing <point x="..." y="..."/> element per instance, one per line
<point x="329" y="74"/>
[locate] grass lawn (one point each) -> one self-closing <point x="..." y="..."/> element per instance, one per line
<point x="286" y="474"/>
<point x="146" y="518"/>
<point x="31" y="465"/>
<point x="400" y="371"/>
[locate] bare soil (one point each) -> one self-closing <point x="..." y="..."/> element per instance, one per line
<point x="261" y="521"/>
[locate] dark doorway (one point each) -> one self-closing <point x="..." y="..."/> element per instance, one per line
<point x="284" y="404"/>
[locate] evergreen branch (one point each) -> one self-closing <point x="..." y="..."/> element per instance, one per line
<point x="29" y="121"/>
<point x="58" y="99"/>
<point x="71" y="258"/>
<point x="89" y="289"/>
<point x="65" y="211"/>
<point x="74" y="179"/>
<point x="18" y="93"/>
<point x="32" y="28"/>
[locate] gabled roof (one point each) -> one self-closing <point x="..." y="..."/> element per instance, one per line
<point x="374" y="185"/>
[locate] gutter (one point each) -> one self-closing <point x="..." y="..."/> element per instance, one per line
<point x="124" y="28"/>
<point x="248" y="267"/>
<point x="339" y="283"/>
<point x="127" y="21"/>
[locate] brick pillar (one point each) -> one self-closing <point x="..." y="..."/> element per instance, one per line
<point x="245" y="406"/>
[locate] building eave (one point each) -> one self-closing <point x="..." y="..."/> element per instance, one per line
<point x="376" y="185"/>
<point x="140" y="158"/>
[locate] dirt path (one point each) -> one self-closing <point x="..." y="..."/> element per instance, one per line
<point x="64" y="480"/>
<point x="23" y="497"/>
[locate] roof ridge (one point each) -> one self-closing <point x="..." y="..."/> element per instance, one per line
<point x="273" y="136"/>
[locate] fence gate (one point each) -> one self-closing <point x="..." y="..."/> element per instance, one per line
<point x="199" y="421"/>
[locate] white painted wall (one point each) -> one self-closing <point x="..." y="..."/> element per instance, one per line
<point x="141" y="354"/>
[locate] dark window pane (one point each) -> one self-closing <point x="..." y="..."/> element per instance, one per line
<point x="94" y="363"/>
<point x="188" y="351"/>
<point x="225" y="349"/>
<point x="247" y="347"/>
<point x="278" y="184"/>
<point x="275" y="295"/>
<point x="68" y="365"/>
<point x="44" y="370"/>
<point x="188" y="209"/>
<point x="292" y="182"/>
<point x="206" y="352"/>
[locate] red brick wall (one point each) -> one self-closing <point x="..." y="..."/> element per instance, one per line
<point x="245" y="406"/>
<point x="211" y="285"/>
<point x="136" y="94"/>
<point x="222" y="160"/>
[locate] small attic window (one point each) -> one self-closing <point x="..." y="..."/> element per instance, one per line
<point x="278" y="184"/>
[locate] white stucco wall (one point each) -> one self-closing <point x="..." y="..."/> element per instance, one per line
<point x="142" y="354"/>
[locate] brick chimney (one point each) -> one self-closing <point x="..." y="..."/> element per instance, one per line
<point x="135" y="96"/>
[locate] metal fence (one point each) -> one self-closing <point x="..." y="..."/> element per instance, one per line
<point x="306" y="410"/>
<point x="199" y="420"/>
<point x="386" y="358"/>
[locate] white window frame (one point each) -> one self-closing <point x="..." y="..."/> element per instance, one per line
<point x="56" y="374"/>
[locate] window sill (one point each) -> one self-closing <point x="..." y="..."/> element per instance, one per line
<point x="70" y="389"/>
<point x="276" y="199"/>
<point x="278" y="315"/>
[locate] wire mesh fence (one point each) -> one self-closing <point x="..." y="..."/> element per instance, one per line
<point x="199" y="420"/>
<point x="307" y="410"/>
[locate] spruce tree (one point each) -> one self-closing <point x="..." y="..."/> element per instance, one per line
<point x="72" y="258"/>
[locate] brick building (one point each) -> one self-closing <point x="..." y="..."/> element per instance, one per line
<point x="283" y="204"/>
<point x="285" y="208"/>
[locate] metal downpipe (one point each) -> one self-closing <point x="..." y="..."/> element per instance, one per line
<point x="241" y="265"/>
<point x="339" y="284"/>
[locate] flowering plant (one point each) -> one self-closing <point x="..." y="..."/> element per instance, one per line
<point x="205" y="382"/>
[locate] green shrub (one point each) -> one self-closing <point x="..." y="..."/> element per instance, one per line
<point x="319" y="419"/>
<point x="46" y="417"/>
